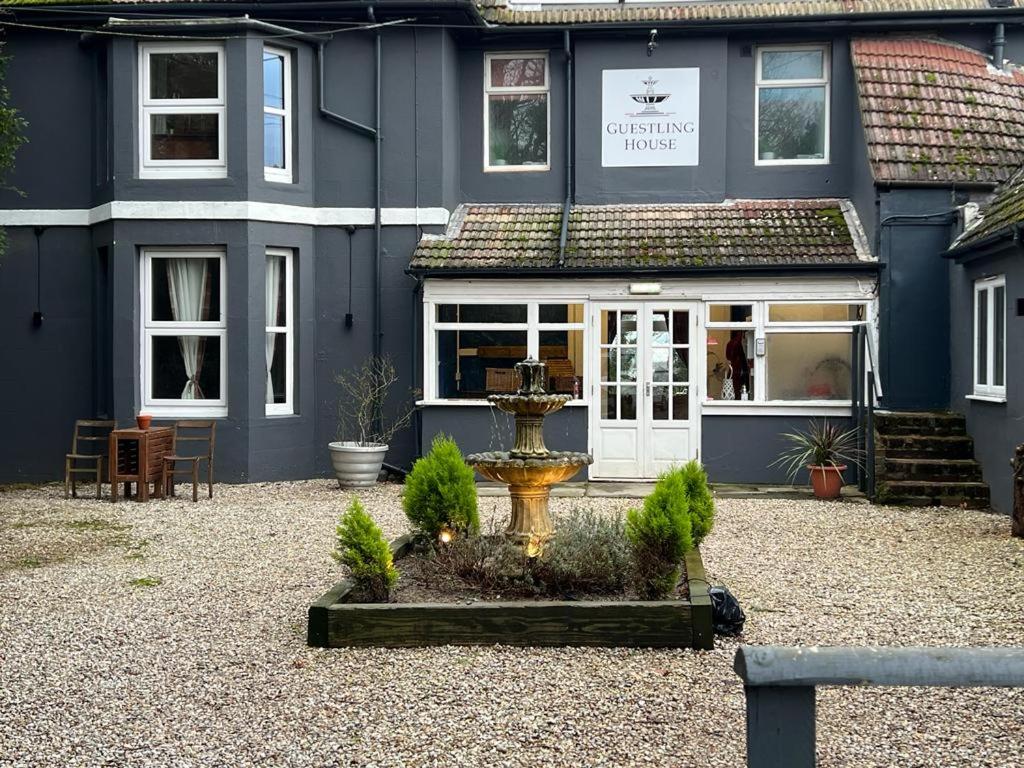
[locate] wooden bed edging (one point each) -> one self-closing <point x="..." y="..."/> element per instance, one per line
<point x="609" y="623"/>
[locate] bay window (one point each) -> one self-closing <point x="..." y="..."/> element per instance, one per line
<point x="792" y="105"/>
<point x="184" y="333"/>
<point x="990" y="338"/>
<point x="182" y="111"/>
<point x="781" y="352"/>
<point x="279" y="342"/>
<point x="516" y="112"/>
<point x="277" y="105"/>
<point x="476" y="347"/>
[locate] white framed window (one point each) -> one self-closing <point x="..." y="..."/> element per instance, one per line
<point x="184" y="337"/>
<point x="277" y="115"/>
<point x="791" y="105"/>
<point x="182" y="111"/>
<point x="781" y="351"/>
<point x="990" y="337"/>
<point x="517" y="112"/>
<point x="471" y="349"/>
<point x="280" y="338"/>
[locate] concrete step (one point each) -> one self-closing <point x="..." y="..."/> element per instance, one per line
<point x="924" y="493"/>
<point x="936" y="423"/>
<point x="924" y="447"/>
<point x="933" y="470"/>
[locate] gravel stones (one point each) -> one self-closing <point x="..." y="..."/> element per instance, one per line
<point x="209" y="667"/>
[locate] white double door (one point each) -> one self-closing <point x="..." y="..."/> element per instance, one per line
<point x="645" y="414"/>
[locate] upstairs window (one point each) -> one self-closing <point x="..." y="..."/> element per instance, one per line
<point x="182" y="111"/>
<point x="277" y="120"/>
<point x="516" y="112"/>
<point x="792" y="105"/>
<point x="990" y="338"/>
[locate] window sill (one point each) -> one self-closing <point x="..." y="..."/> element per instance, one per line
<point x="777" y="163"/>
<point x="280" y="414"/>
<point x="185" y="412"/>
<point x="987" y="398"/>
<point x="517" y="168"/>
<point x="276" y="178"/>
<point x="191" y="172"/>
<point x="461" y="403"/>
<point x="777" y="408"/>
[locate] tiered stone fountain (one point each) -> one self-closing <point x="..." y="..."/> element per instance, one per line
<point x="529" y="469"/>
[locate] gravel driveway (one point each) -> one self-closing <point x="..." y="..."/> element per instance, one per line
<point x="172" y="634"/>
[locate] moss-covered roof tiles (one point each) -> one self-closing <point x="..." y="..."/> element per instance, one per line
<point x="610" y="237"/>
<point x="934" y="111"/>
<point x="1004" y="210"/>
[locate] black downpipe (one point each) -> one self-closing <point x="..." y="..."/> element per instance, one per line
<point x="998" y="45"/>
<point x="563" y="236"/>
<point x="378" y="328"/>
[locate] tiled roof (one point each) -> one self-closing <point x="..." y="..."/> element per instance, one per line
<point x="505" y="12"/>
<point x="934" y="111"/>
<point x="1004" y="210"/>
<point x="730" y="234"/>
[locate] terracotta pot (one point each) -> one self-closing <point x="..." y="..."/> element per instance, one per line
<point x="827" y="481"/>
<point x="143" y="420"/>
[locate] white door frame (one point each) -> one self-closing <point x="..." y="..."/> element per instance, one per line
<point x="600" y="470"/>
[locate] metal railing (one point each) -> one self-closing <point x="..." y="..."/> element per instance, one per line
<point x="780" y="685"/>
<point x="867" y="392"/>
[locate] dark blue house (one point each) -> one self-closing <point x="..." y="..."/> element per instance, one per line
<point x="690" y="210"/>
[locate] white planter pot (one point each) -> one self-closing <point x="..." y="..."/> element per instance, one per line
<point x="356" y="465"/>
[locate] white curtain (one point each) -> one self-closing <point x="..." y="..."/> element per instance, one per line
<point x="186" y="280"/>
<point x="274" y="266"/>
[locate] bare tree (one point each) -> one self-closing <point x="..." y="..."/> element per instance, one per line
<point x="362" y="401"/>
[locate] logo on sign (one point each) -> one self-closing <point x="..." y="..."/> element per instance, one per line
<point x="664" y="132"/>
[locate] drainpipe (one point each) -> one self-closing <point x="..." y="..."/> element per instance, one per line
<point x="998" y="44"/>
<point x="567" y="206"/>
<point x="378" y="328"/>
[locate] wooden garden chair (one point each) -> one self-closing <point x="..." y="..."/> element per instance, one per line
<point x="89" y="448"/>
<point x="192" y="432"/>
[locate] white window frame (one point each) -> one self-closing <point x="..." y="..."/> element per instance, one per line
<point x="762" y="327"/>
<point x="519" y="90"/>
<point x="989" y="391"/>
<point x="532" y="326"/>
<point x="181" y="169"/>
<point x="287" y="408"/>
<point x="151" y="328"/>
<point x="281" y="175"/>
<point x="825" y="81"/>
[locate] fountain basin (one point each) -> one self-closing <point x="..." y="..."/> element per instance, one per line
<point x="533" y="406"/>
<point x="555" y="467"/>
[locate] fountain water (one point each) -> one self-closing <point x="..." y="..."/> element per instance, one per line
<point x="529" y="469"/>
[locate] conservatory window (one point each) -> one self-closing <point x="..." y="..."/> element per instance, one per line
<point x="182" y="111"/>
<point x="184" y="333"/>
<point x="792" y="105"/>
<point x="476" y="347"/>
<point x="277" y="120"/>
<point x="279" y="342"/>
<point x="781" y="351"/>
<point x="990" y="338"/>
<point x="516" y="112"/>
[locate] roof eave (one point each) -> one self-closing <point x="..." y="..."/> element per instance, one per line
<point x="1004" y="239"/>
<point x="859" y="267"/>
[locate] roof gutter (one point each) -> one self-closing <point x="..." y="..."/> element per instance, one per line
<point x="208" y="25"/>
<point x="999" y="240"/>
<point x="661" y="272"/>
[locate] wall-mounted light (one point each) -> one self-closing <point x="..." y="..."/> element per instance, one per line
<point x="652" y="42"/>
<point x="645" y="289"/>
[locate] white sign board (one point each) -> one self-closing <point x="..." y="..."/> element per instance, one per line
<point x="650" y="117"/>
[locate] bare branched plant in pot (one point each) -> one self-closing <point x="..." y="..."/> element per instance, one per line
<point x="366" y="424"/>
<point x="824" y="450"/>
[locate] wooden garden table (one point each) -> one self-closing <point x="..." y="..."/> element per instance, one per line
<point x="136" y="456"/>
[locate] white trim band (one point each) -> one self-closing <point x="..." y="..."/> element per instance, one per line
<point x="240" y="210"/>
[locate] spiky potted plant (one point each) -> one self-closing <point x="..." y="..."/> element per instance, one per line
<point x="364" y="426"/>
<point x="825" y="450"/>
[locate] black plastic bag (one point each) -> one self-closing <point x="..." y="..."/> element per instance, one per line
<point x="727" y="617"/>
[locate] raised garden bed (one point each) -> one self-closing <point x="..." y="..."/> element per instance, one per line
<point x="678" y="623"/>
